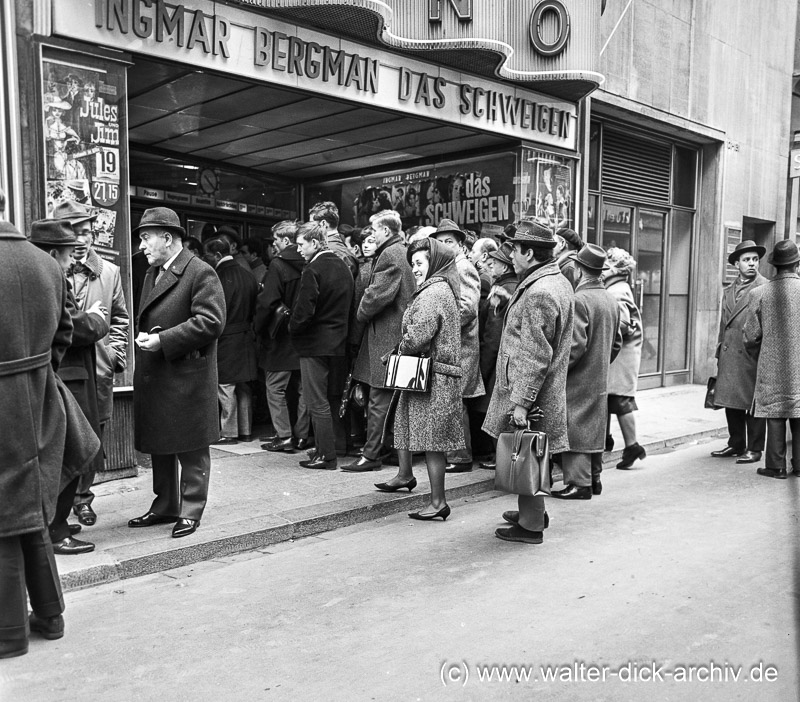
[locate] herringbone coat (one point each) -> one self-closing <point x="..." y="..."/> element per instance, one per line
<point x="431" y="421"/>
<point x="736" y="369"/>
<point x="534" y="355"/>
<point x="771" y="334"/>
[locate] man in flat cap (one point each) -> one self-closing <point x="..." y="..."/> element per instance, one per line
<point x="176" y="417"/>
<point x="93" y="279"/>
<point x="532" y="363"/>
<point x="771" y="334"/>
<point x="736" y="369"/>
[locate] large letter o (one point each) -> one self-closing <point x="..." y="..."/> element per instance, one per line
<point x="535" y="27"/>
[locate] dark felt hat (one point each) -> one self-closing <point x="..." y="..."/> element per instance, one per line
<point x="784" y="253"/>
<point x="162" y="217"/>
<point x="52" y="233"/>
<point x="73" y="212"/>
<point x="533" y="234"/>
<point x="745" y="247"/>
<point x="448" y="226"/>
<point x="503" y="254"/>
<point x="591" y="256"/>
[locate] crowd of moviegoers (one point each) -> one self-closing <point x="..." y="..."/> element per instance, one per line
<point x="532" y="329"/>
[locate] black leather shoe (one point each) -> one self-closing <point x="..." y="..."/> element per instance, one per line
<point x="458" y="468"/>
<point x="750" y="457"/>
<point x="225" y="441"/>
<point x="519" y="535"/>
<point x="85" y="514"/>
<point x="489" y="465"/>
<point x="320" y="464"/>
<point x="150" y="519"/>
<point x="12" y="649"/>
<point x="312" y="456"/>
<point x="410" y="484"/>
<point x="779" y="473"/>
<point x="51" y="628"/>
<point x="362" y="465"/>
<point x="597" y="487"/>
<point x="302" y="444"/>
<point x="573" y="492"/>
<point x="72" y="547"/>
<point x="630" y="454"/>
<point x="278" y="444"/>
<point x="512" y="517"/>
<point x="727" y="452"/>
<point x="442" y="514"/>
<point x="74" y="529"/>
<point x="185" y="527"/>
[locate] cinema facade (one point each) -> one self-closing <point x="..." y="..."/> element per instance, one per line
<point x="621" y="120"/>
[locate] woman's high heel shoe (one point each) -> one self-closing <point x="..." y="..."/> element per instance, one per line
<point x="386" y="487"/>
<point x="444" y="513"/>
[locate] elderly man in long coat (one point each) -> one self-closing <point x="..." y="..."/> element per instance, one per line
<point x="471" y="382"/>
<point x="94" y="279"/>
<point x="532" y="363"/>
<point x="181" y="316"/>
<point x="36" y="441"/>
<point x="771" y="334"/>
<point x="736" y="369"/>
<point x="596" y="341"/>
<point x="386" y="297"/>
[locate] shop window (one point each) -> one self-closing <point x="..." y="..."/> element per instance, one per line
<point x="617" y="227"/>
<point x="679" y="274"/>
<point x="684" y="177"/>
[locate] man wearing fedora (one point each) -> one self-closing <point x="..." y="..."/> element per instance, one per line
<point x="451" y="236"/>
<point x="771" y="334"/>
<point x="94" y="279"/>
<point x="596" y="341"/>
<point x="736" y="369"/>
<point x="532" y="363"/>
<point x="176" y="417"/>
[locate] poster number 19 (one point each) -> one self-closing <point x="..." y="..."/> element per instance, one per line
<point x="108" y="164"/>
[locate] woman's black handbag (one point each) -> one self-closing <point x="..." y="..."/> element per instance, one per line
<point x="523" y="463"/>
<point x="408" y="373"/>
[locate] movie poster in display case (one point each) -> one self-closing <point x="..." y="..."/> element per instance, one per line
<point x="549" y="192"/>
<point x="85" y="149"/>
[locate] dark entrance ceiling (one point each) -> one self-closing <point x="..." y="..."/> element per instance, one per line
<point x="175" y="110"/>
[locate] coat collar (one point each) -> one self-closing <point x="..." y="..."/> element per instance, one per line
<point x="728" y="298"/>
<point x="170" y="279"/>
<point x="230" y="263"/>
<point x="94" y="263"/>
<point x="590" y="284"/>
<point x="393" y="239"/>
<point x="541" y="271"/>
<point x="9" y="231"/>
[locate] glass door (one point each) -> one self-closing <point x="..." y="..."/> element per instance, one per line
<point x="649" y="255"/>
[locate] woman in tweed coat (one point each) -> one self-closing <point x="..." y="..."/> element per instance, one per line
<point x="431" y="421"/>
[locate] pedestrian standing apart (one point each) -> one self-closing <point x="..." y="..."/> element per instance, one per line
<point x="78" y="372"/>
<point x="93" y="279"/>
<point x="736" y="369"/>
<point x="532" y="363"/>
<point x="385" y="299"/>
<point x="277" y="355"/>
<point x="176" y="413"/>
<point x="236" y="349"/>
<point x="624" y="372"/>
<point x="504" y="284"/>
<point x="451" y="236"/>
<point x="318" y="328"/>
<point x="430" y="421"/>
<point x="596" y="341"/>
<point x="34" y="294"/>
<point x="771" y="334"/>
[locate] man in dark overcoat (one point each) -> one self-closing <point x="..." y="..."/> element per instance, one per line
<point x="596" y="341"/>
<point x="276" y="354"/>
<point x="34" y="310"/>
<point x="318" y="327"/>
<point x="176" y="417"/>
<point x="532" y="363"/>
<point x="736" y="369"/>
<point x="236" y="348"/>
<point x="771" y="334"/>
<point x="78" y="372"/>
<point x="391" y="285"/>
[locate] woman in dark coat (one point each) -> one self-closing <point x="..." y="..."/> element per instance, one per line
<point x="430" y="421"/>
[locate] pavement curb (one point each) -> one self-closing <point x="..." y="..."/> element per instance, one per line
<point x="121" y="563"/>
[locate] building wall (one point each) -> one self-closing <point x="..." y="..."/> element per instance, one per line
<point x="721" y="70"/>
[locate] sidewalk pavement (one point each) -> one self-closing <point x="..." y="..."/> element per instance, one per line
<point x="257" y="498"/>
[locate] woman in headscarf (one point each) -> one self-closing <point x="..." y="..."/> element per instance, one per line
<point x="624" y="371"/>
<point x="430" y="421"/>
